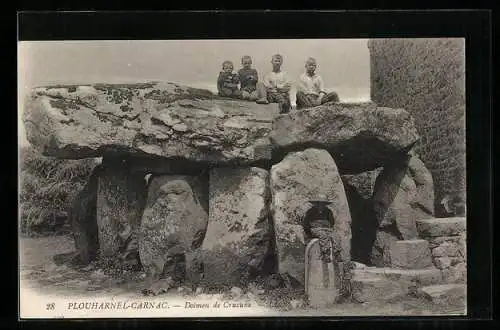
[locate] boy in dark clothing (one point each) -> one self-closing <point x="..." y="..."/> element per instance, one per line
<point x="227" y="82"/>
<point x="248" y="79"/>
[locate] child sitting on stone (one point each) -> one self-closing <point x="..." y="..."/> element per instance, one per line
<point x="227" y="82"/>
<point x="248" y="79"/>
<point x="311" y="90"/>
<point x="275" y="87"/>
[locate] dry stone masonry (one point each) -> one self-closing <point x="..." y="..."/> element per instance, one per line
<point x="230" y="182"/>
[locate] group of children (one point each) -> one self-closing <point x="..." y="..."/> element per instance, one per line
<point x="275" y="87"/>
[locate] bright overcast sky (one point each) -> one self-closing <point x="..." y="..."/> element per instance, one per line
<point x="343" y="63"/>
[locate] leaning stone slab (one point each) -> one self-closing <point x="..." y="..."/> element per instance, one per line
<point x="153" y="119"/>
<point x="361" y="136"/>
<point x="238" y="234"/>
<point x="299" y="177"/>
<point x="410" y="254"/>
<point x="435" y="227"/>
<point x="403" y="192"/>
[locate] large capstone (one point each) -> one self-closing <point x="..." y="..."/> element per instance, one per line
<point x="361" y="137"/>
<point x="155" y="119"/>
<point x="173" y="226"/>
<point x="298" y="178"/>
<point x="120" y="201"/>
<point x="237" y="242"/>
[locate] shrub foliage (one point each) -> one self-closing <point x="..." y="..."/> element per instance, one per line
<point x="46" y="189"/>
<point x="427" y="78"/>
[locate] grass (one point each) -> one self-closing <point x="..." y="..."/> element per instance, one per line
<point x="47" y="188"/>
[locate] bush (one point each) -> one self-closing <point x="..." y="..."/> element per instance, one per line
<point x="427" y="78"/>
<point x="47" y="188"/>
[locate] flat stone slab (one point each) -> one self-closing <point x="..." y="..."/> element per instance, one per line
<point x="368" y="287"/>
<point x="360" y="136"/>
<point x="410" y="254"/>
<point x="152" y="119"/>
<point x="448" y="294"/>
<point x="436" y="227"/>
<point x="427" y="276"/>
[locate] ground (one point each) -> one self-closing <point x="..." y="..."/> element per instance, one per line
<point x="39" y="270"/>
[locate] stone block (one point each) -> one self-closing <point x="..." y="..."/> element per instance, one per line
<point x="410" y="254"/>
<point x="435" y="227"/>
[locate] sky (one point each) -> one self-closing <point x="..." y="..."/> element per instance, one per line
<point x="343" y="63"/>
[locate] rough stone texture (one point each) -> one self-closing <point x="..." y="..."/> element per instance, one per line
<point x="82" y="216"/>
<point x="156" y="119"/>
<point x="360" y="137"/>
<point x="173" y="225"/>
<point x="437" y="241"/>
<point x="380" y="255"/>
<point x="426" y="276"/>
<point x="120" y="201"/>
<point x="363" y="183"/>
<point x="299" y="177"/>
<point x="410" y="254"/>
<point x="368" y="287"/>
<point x="427" y="78"/>
<point x="403" y="192"/>
<point x="456" y="273"/>
<point x="443" y="262"/>
<point x="445" y="249"/>
<point x="359" y="190"/>
<point x="446" y="294"/>
<point x="434" y="227"/>
<point x="238" y="235"/>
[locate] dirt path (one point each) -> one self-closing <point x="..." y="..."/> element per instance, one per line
<point x="39" y="271"/>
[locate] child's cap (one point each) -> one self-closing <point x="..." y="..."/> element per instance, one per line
<point x="277" y="56"/>
<point x="246" y="57"/>
<point x="227" y="63"/>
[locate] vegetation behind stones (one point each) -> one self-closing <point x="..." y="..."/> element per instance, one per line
<point x="427" y="78"/>
<point x="46" y="190"/>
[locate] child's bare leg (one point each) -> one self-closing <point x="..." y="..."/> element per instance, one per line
<point x="262" y="92"/>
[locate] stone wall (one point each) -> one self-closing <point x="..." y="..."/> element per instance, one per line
<point x="447" y="241"/>
<point x="427" y="78"/>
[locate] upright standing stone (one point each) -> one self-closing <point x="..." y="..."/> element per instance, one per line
<point x="298" y="178"/>
<point x="238" y="234"/>
<point x="173" y="226"/>
<point x="119" y="206"/>
<point x="82" y="217"/>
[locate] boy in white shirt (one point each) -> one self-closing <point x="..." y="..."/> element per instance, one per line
<point x="311" y="90"/>
<point x="275" y="87"/>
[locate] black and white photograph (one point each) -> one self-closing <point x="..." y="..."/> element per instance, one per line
<point x="242" y="177"/>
